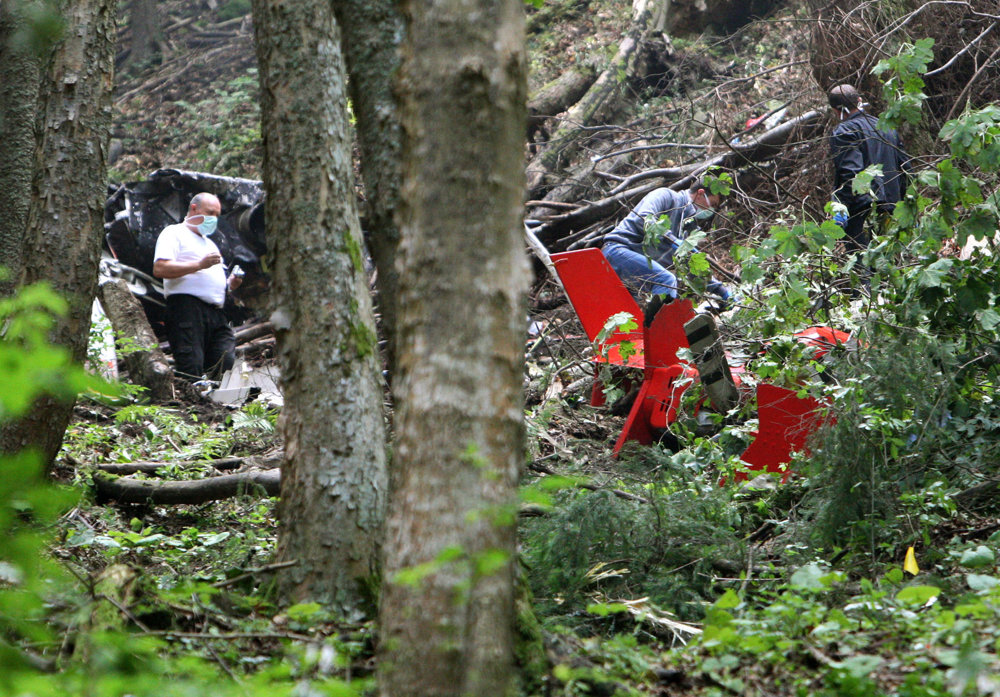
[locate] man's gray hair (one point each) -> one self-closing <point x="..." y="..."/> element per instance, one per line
<point x="200" y="198"/>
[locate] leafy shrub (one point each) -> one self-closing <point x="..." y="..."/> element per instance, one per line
<point x="664" y="547"/>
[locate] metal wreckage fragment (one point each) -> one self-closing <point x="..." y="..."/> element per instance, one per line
<point x="136" y="212"/>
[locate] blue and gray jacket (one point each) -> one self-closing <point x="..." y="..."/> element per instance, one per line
<point x="631" y="232"/>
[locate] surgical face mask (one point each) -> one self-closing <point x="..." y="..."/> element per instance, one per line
<point x="207" y="225"/>
<point x="704" y="215"/>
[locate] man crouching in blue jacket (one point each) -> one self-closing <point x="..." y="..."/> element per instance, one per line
<point x="643" y="264"/>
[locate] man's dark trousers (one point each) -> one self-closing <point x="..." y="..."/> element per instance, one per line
<point x="200" y="337"/>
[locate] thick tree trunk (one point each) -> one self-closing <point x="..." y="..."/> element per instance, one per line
<point x="447" y="607"/>
<point x="18" y="98"/>
<point x="335" y="481"/>
<point x="146" y="363"/>
<point x="144" y="25"/>
<point x="372" y="30"/>
<point x="66" y="215"/>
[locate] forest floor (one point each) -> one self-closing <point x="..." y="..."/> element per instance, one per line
<point x="647" y="576"/>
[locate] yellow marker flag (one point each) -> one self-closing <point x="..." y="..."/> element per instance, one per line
<point x="910" y="562"/>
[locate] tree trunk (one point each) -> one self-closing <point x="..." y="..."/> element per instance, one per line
<point x="334" y="483"/>
<point x="372" y="30"/>
<point x="66" y="214"/>
<point x="146" y="363"/>
<point x="144" y="25"/>
<point x="18" y="98"/>
<point x="447" y="607"/>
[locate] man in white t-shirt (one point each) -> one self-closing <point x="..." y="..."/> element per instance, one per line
<point x="195" y="287"/>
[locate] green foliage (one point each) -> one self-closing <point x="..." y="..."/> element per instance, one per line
<point x="903" y="90"/>
<point x="233" y="9"/>
<point x="813" y="635"/>
<point x="911" y="410"/>
<point x="44" y="612"/>
<point x="596" y="541"/>
<point x="611" y="379"/>
<point x="42" y="25"/>
<point x="229" y="124"/>
<point x="30" y="365"/>
<point x="719" y="182"/>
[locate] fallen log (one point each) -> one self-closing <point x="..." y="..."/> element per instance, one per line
<point x="600" y="101"/>
<point x="558" y="95"/>
<point x="253" y="331"/>
<point x="578" y="184"/>
<point x="253" y="483"/>
<point x="764" y="147"/>
<point x="221" y="464"/>
<point x="147" y="365"/>
<point x="978" y="496"/>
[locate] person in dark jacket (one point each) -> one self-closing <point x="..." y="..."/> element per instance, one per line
<point x="856" y="143"/>
<point x="643" y="262"/>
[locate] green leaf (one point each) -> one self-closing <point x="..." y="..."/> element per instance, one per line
<point x="751" y="273"/>
<point x="605" y="609"/>
<point x="728" y="600"/>
<point x="980" y="582"/>
<point x="698" y="264"/>
<point x="917" y="595"/>
<point x="861" y="666"/>
<point x="787" y="243"/>
<point x="303" y="611"/>
<point x="933" y="275"/>
<point x="894" y="575"/>
<point x="977" y="558"/>
<point x="214" y="538"/>
<point x="862" y="183"/>
<point x="809" y="576"/>
<point x="989" y="319"/>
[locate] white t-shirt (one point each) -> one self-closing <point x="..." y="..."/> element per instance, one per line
<point x="180" y="243"/>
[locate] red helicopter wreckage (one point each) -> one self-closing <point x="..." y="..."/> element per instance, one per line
<point x="785" y="420"/>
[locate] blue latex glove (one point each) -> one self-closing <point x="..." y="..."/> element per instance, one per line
<point x="840" y="218"/>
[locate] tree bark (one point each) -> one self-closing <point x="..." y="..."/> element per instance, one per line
<point x="447" y="606"/>
<point x="144" y="24"/>
<point x="145" y="361"/>
<point x="267" y="482"/>
<point x="66" y="213"/>
<point x="372" y="31"/>
<point x="18" y="98"/>
<point x="335" y="481"/>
